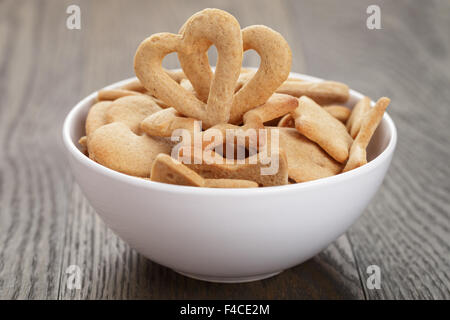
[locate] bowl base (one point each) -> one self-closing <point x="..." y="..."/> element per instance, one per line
<point x="229" y="279"/>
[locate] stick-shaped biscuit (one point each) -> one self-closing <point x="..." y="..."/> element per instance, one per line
<point x="324" y="92"/>
<point x="164" y="122"/>
<point x="277" y="106"/>
<point x="357" y="116"/>
<point x="306" y="160"/>
<point x="131" y="110"/>
<point x="168" y="170"/>
<point x="339" y="112"/>
<point x="369" y="124"/>
<point x="318" y="125"/>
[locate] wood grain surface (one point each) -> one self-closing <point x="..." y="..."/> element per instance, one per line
<point x="46" y="224"/>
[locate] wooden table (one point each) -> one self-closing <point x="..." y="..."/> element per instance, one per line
<point x="46" y="224"/>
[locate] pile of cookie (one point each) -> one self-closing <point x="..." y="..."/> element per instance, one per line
<point x="131" y="129"/>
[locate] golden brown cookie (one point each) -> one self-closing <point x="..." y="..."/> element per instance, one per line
<point x="168" y="170"/>
<point x="115" y="146"/>
<point x="131" y="110"/>
<point x="325" y="92"/>
<point x="253" y="88"/>
<point x="306" y="160"/>
<point x="134" y="85"/>
<point x="276" y="60"/>
<point x="83" y="143"/>
<point x="319" y="126"/>
<point x="339" y="112"/>
<point x="265" y="168"/>
<point x="357" y="115"/>
<point x="276" y="106"/>
<point x="164" y="122"/>
<point x="96" y="116"/>
<point x="113" y="94"/>
<point x="160" y="103"/>
<point x="369" y="124"/>
<point x="176" y="75"/>
<point x="210" y="26"/>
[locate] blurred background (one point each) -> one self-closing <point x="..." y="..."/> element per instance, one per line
<point x="46" y="224"/>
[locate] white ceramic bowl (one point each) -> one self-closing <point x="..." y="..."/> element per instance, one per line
<point x="228" y="235"/>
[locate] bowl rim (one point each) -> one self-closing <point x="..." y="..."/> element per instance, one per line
<point x="140" y="182"/>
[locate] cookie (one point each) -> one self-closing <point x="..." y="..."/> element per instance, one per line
<point x="83" y="143"/>
<point x="168" y="170"/>
<point x="160" y="103"/>
<point x="113" y="94"/>
<point x="266" y="169"/>
<point x="276" y="60"/>
<point x="176" y="75"/>
<point x="354" y="121"/>
<point x="117" y="147"/>
<point x="325" y="92"/>
<point x="369" y="123"/>
<point x="186" y="84"/>
<point x="339" y="112"/>
<point x="134" y="85"/>
<point x="276" y="106"/>
<point x="306" y="160"/>
<point x="210" y="26"/>
<point x="131" y="110"/>
<point x="253" y="88"/>
<point x="235" y="127"/>
<point x="96" y="117"/>
<point x="165" y="122"/>
<point x="319" y="126"/>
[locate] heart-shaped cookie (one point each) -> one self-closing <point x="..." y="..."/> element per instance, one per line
<point x="205" y="28"/>
<point x="276" y="60"/>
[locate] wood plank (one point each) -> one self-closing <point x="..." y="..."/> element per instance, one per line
<point x="406" y="228"/>
<point x="47" y="225"/>
<point x="33" y="177"/>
